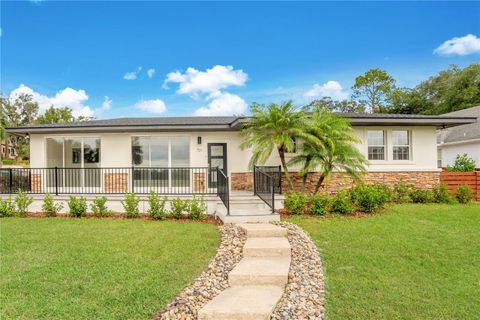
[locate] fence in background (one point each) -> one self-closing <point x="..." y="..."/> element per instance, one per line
<point x="453" y="180"/>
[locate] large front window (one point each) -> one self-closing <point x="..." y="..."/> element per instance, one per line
<point x="71" y="154"/>
<point x="401" y="145"/>
<point x="161" y="162"/>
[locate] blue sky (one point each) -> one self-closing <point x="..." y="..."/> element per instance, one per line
<point x="80" y="53"/>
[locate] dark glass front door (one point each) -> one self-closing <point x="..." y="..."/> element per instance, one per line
<point x="217" y="157"/>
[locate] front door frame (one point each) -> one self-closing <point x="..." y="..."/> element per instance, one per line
<point x="211" y="183"/>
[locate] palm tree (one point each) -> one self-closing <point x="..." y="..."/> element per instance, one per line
<point x="275" y="127"/>
<point x="338" y="151"/>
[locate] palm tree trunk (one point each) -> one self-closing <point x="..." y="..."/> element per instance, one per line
<point x="281" y="153"/>
<point x="319" y="183"/>
<point x="304" y="182"/>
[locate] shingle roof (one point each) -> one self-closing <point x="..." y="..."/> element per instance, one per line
<point x="464" y="132"/>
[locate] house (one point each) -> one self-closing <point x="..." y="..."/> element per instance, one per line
<point x="202" y="155"/>
<point x="7" y="150"/>
<point x="460" y="139"/>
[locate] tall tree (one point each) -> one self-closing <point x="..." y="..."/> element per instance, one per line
<point x="56" y="115"/>
<point x="21" y="111"/>
<point x="275" y="127"/>
<point x="373" y="89"/>
<point x="338" y="152"/>
<point x="344" y="106"/>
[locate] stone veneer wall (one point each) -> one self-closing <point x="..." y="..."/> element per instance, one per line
<point x="115" y="182"/>
<point x="338" y="181"/>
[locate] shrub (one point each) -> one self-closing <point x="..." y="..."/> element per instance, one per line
<point x="369" y="198"/>
<point x="463" y="163"/>
<point x="99" y="207"/>
<point x="422" y="196"/>
<point x="22" y="202"/>
<point x="319" y="204"/>
<point x="341" y="203"/>
<point x="130" y="205"/>
<point x="178" y="207"/>
<point x="196" y="208"/>
<point x="157" y="206"/>
<point x="77" y="206"/>
<point x="401" y="192"/>
<point x="7" y="207"/>
<point x="464" y="194"/>
<point x="296" y="203"/>
<point x="440" y="194"/>
<point x="49" y="206"/>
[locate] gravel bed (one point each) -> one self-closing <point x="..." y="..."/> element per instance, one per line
<point x="304" y="296"/>
<point x="212" y="281"/>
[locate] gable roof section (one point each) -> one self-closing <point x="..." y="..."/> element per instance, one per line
<point x="464" y="132"/>
<point x="232" y="123"/>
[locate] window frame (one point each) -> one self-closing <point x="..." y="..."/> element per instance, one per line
<point x="408" y="145"/>
<point x="384" y="145"/>
<point x="82" y="148"/>
<point x="169" y="148"/>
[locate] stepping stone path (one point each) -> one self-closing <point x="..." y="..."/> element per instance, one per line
<point x="258" y="281"/>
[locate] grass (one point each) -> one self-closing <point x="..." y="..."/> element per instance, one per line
<point x="55" y="268"/>
<point x="411" y="262"/>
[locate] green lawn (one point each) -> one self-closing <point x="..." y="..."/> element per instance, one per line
<point x="98" y="269"/>
<point x="411" y="262"/>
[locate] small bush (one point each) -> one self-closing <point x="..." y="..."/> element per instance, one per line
<point x="178" y="208"/>
<point x="22" y="202"/>
<point x="7" y="207"/>
<point x="464" y="194"/>
<point x="77" y="206"/>
<point x="130" y="205"/>
<point x="99" y="207"/>
<point x="401" y="192"/>
<point x="319" y="204"/>
<point x="369" y="198"/>
<point x="49" y="206"/>
<point x="196" y="208"/>
<point x="463" y="163"/>
<point x="422" y="196"/>
<point x="440" y="194"/>
<point x="296" y="203"/>
<point x="157" y="206"/>
<point x="341" y="203"/>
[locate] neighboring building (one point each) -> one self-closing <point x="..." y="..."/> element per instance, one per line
<point x="460" y="139"/>
<point x="7" y="150"/>
<point x="177" y="149"/>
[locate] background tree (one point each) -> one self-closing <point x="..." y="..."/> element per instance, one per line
<point x="345" y="106"/>
<point x="22" y="111"/>
<point x="338" y="152"/>
<point x="274" y="127"/>
<point x="373" y="89"/>
<point x="56" y="115"/>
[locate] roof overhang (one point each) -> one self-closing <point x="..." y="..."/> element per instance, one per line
<point x="239" y="123"/>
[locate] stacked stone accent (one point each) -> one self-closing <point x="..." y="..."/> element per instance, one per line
<point x="36" y="184"/>
<point x="199" y="182"/>
<point x="338" y="181"/>
<point x="115" y="182"/>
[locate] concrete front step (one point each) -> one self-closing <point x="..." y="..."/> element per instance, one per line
<point x="242" y="303"/>
<point x="235" y="218"/>
<point x="263" y="230"/>
<point x="267" y="247"/>
<point x="260" y="271"/>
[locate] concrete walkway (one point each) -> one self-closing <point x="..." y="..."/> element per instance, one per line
<point x="258" y="281"/>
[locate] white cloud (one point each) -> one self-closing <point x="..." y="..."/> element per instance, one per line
<point x="195" y="82"/>
<point x="107" y="103"/>
<point x="150" y="72"/>
<point x="461" y="46"/>
<point x="152" y="106"/>
<point x="223" y="104"/>
<point x="68" y="97"/>
<point x="133" y="74"/>
<point x="331" y="89"/>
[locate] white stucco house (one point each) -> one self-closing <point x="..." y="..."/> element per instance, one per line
<point x="180" y="155"/>
<point x="460" y="139"/>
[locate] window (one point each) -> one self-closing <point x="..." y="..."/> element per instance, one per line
<point x="12" y="152"/>
<point x="401" y="145"/>
<point x="376" y="144"/>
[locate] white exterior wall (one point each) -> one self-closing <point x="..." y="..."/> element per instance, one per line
<point x="449" y="152"/>
<point x="116" y="149"/>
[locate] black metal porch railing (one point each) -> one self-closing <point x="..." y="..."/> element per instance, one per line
<point x="264" y="186"/>
<point x="163" y="180"/>
<point x="275" y="172"/>
<point x="223" y="190"/>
